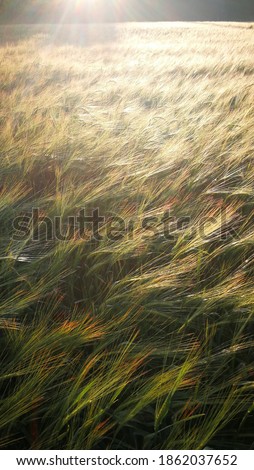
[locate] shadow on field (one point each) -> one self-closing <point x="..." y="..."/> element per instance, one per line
<point x="82" y="35"/>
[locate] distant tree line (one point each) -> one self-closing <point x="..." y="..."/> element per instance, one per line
<point x="69" y="11"/>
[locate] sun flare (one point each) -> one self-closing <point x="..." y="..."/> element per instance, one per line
<point x="82" y="2"/>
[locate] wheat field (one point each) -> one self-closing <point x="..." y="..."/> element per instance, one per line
<point x="138" y="332"/>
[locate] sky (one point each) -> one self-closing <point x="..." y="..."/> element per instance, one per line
<point x="125" y="10"/>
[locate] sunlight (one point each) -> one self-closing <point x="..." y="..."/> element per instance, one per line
<point x="85" y="11"/>
<point x="76" y="8"/>
<point x="81" y="2"/>
<point x="79" y="5"/>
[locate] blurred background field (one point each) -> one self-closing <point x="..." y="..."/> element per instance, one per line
<point x="141" y="342"/>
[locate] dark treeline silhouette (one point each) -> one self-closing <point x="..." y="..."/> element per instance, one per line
<point x="89" y="11"/>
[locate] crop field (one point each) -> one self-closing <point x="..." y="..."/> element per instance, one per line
<point x="127" y="236"/>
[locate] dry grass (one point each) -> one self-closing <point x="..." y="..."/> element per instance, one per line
<point x="139" y="342"/>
